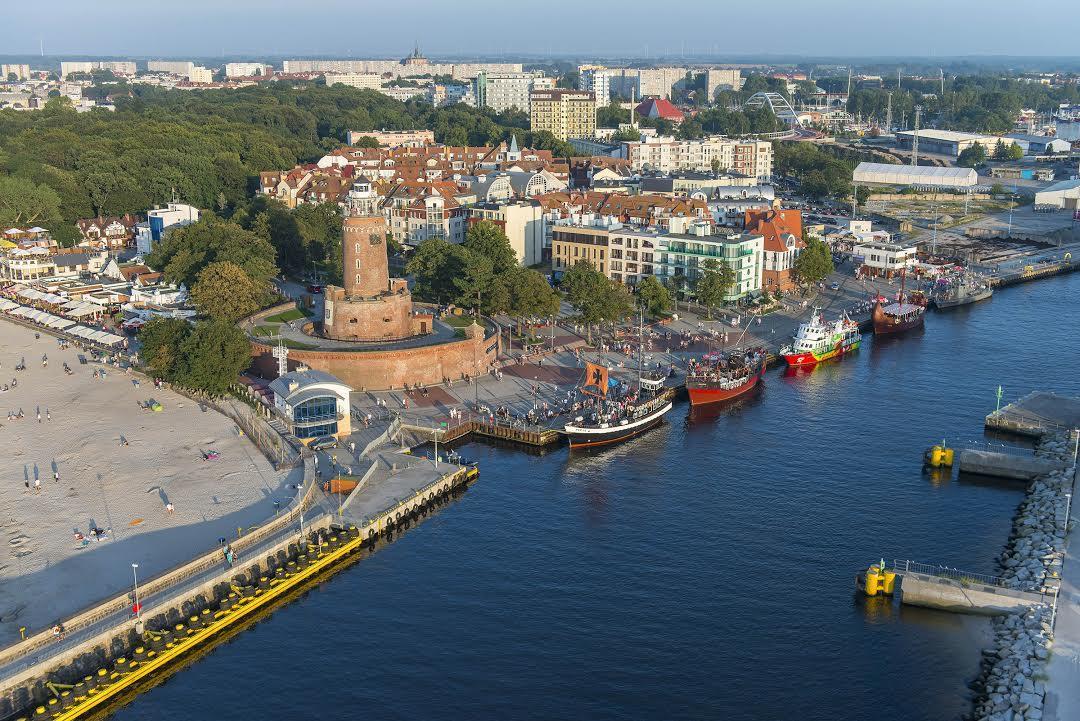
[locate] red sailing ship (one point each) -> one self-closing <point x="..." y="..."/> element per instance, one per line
<point x="720" y="377"/>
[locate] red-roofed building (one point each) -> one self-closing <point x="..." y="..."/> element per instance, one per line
<point x="782" y="230"/>
<point x="659" y="108"/>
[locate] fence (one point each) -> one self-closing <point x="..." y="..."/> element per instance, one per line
<point x="953" y="574"/>
<point x="276" y="449"/>
<point x="169" y="578"/>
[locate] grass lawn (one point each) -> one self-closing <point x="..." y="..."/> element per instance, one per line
<point x="264" y="330"/>
<point x="294" y="314"/>
<point x="458" y="321"/>
<point x="296" y="345"/>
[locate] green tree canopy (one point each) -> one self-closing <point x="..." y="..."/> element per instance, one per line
<point x="434" y="266"/>
<point x="814" y="263"/>
<point x="594" y="296"/>
<point x="653" y="295"/>
<point x="184" y="252"/>
<point x="531" y="296"/>
<point x="161" y="339"/>
<point x="487" y="240"/>
<point x="212" y="356"/>
<point x="972" y="156"/>
<point x="223" y="291"/>
<point x="24" y="203"/>
<point x="713" y="285"/>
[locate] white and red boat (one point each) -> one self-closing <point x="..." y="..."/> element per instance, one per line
<point x="723" y="376"/>
<point x="818" y="340"/>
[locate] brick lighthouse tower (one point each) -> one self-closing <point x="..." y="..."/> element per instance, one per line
<point x="370" y="306"/>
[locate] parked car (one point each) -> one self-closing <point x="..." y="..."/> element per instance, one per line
<point x="834" y="286"/>
<point x="314" y="288"/>
<point x="323" y="443"/>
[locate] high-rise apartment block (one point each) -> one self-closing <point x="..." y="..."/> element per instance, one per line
<point x="564" y="113"/>
<point x="503" y="91"/>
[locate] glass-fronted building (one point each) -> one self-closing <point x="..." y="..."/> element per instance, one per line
<point x="312" y="404"/>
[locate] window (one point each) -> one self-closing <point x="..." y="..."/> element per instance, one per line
<point x="357" y="247"/>
<point x="358" y="264"/>
<point x="357" y="278"/>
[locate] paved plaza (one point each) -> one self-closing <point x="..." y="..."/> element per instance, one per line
<point x="56" y="564"/>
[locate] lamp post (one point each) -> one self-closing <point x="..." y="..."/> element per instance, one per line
<point x="135" y="575"/>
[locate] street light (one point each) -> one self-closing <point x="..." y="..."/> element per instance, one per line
<point x="135" y="574"/>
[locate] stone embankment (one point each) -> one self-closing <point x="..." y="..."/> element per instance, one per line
<point x="1011" y="681"/>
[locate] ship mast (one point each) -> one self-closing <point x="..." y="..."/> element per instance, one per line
<point x="641" y="344"/>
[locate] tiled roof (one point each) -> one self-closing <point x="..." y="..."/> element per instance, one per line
<point x="776" y="226"/>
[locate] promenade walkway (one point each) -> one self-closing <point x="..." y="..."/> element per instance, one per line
<point x="1063" y="685"/>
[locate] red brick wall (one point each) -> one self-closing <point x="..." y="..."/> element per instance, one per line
<point x="384" y="318"/>
<point x="381" y="370"/>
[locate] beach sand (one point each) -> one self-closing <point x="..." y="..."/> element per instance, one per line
<point x="46" y="575"/>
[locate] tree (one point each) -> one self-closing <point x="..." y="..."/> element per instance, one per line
<point x="1001" y="151"/>
<point x="653" y="295"/>
<point x="212" y="356"/>
<point x="972" y="156"/>
<point x="161" y="339"/>
<point x="476" y="283"/>
<point x="531" y="296"/>
<point x="487" y="240"/>
<point x="224" y="291"/>
<point x="365" y="141"/>
<point x="1014" y="152"/>
<point x="25" y="203"/>
<point x="713" y="285"/>
<point x="184" y="252"/>
<point x="626" y="135"/>
<point x="814" y="263"/>
<point x="433" y="266"/>
<point x="594" y="296"/>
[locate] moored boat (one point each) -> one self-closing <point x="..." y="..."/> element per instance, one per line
<point x="816" y="340"/>
<point x="961" y="290"/>
<point x="899" y="316"/>
<point x="613" y="413"/>
<point x="723" y="376"/>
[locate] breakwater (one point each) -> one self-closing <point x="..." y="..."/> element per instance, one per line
<point x="1013" y="670"/>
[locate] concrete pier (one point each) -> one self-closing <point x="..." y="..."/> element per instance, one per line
<point x="1004" y="465"/>
<point x="917" y="589"/>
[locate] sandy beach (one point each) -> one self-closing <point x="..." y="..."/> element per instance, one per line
<point x="49" y="572"/>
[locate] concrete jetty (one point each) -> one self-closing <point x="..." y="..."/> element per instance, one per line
<point x="1005" y="465"/>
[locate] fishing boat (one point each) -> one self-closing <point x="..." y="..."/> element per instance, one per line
<point x="723" y="376"/>
<point x="961" y="290"/>
<point x="897" y="317"/>
<point x="816" y="340"/>
<point x="611" y="411"/>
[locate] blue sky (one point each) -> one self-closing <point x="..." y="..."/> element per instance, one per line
<point x="367" y="28"/>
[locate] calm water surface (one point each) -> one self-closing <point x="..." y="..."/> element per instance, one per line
<point x="702" y="571"/>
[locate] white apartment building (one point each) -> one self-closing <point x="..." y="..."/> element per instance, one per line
<point x="665" y="154"/>
<point x="371" y="81"/>
<point x="201" y="75"/>
<point x="117" y="67"/>
<point x="20" y="71"/>
<point x="503" y="91"/>
<point x="246" y="70"/>
<point x="597" y="80"/>
<point x="523" y="223"/>
<point x="180" y="68"/>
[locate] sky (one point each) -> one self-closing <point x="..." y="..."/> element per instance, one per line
<point x="622" y="28"/>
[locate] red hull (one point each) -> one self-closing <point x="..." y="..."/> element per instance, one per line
<point x="704" y="396"/>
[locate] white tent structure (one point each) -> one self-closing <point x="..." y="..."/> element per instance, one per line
<point x="917" y="176"/>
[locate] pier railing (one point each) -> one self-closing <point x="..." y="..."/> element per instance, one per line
<point x="953" y="574"/>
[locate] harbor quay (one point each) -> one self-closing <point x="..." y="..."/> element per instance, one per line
<point x="519" y="399"/>
<point x="96" y="653"/>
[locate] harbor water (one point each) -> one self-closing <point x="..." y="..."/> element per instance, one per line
<point x="704" y="570"/>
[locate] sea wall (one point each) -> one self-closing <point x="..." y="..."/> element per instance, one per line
<point x="1010" y="682"/>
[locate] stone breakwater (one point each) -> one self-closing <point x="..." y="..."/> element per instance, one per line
<point x="1011" y="680"/>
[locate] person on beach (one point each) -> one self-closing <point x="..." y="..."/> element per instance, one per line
<point x="37" y="485"/>
<point x="56" y="476"/>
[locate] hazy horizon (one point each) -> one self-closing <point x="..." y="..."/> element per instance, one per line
<point x="630" y="28"/>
